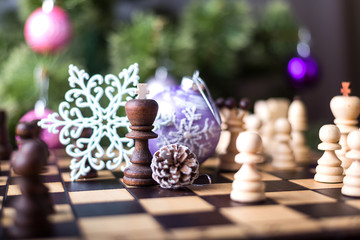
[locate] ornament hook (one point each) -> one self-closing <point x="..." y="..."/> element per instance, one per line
<point x="198" y="81"/>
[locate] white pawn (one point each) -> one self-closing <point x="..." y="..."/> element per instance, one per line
<point x="352" y="178"/>
<point x="329" y="168"/>
<point x="248" y="186"/>
<point x="283" y="156"/>
<point x="253" y="123"/>
<point x="298" y="120"/>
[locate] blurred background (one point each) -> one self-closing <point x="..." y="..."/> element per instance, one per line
<point x="242" y="48"/>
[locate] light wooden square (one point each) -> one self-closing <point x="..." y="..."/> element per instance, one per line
<point x="312" y="184"/>
<point x="118" y="225"/>
<point x="212" y="189"/>
<point x="354" y="203"/>
<point x="3" y="180"/>
<point x="288" y="227"/>
<point x="5" y="165"/>
<point x="299" y="197"/>
<point x="98" y="196"/>
<point x="102" y="175"/>
<point x="341" y="223"/>
<point x="174" y="205"/>
<point x="54" y="187"/>
<point x="268" y="213"/>
<point x="264" y="176"/>
<point x="210" y="232"/>
<point x="63" y="213"/>
<point x="8" y="217"/>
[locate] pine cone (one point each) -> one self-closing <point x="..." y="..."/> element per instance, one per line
<point x="174" y="166"/>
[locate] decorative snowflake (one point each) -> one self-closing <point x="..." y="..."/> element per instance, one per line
<point x="187" y="132"/>
<point x="88" y="94"/>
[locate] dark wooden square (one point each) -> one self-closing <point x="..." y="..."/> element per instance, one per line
<point x="107" y="209"/>
<point x="323" y="210"/>
<point x="93" y="185"/>
<point x="158" y="192"/>
<point x="282" y="185"/>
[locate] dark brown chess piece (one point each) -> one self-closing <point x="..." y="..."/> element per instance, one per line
<point x="141" y="113"/>
<point x="5" y="146"/>
<point x="30" y="130"/>
<point x="34" y="204"/>
<point x="86" y="133"/>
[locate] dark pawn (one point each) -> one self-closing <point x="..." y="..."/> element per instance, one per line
<point x="230" y="103"/>
<point x="35" y="204"/>
<point x="5" y="146"/>
<point x="245" y="104"/>
<point x="141" y="114"/>
<point x="29" y="131"/>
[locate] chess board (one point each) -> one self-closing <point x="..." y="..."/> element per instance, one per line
<point x="296" y="207"/>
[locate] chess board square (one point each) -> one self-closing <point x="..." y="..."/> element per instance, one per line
<point x="299" y="173"/>
<point x="334" y="193"/>
<point x="116" y="225"/>
<point x="335" y="209"/>
<point x="110" y="195"/>
<point x="63" y="213"/>
<point x="224" y="201"/>
<point x="5" y="166"/>
<point x="265" y="213"/>
<point x="3" y="180"/>
<point x="283" y="185"/>
<point x="158" y="192"/>
<point x="203" y="178"/>
<point x="312" y="184"/>
<point x="297" y="229"/>
<point x="102" y="175"/>
<point x="2" y="190"/>
<point x="53" y="187"/>
<point x="211" y="232"/>
<point x="354" y="203"/>
<point x="84" y="185"/>
<point x="298" y="197"/>
<point x="107" y="209"/>
<point x="340" y="223"/>
<point x="59" y="198"/>
<point x="44" y="178"/>
<point x="264" y="176"/>
<point x="118" y="174"/>
<point x="212" y="189"/>
<point x="66" y="229"/>
<point x="192" y="220"/>
<point x="173" y="205"/>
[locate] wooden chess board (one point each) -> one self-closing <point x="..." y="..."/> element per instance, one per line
<point x="296" y="207"/>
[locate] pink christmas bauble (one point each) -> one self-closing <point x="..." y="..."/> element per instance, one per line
<point x="52" y="140"/>
<point x="48" y="32"/>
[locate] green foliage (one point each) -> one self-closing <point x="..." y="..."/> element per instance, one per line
<point x="210" y="35"/>
<point x="141" y="42"/>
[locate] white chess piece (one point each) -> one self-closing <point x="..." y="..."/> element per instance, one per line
<point x="283" y="156"/>
<point x="329" y="168"/>
<point x="248" y="186"/>
<point x="346" y="110"/>
<point x="298" y="119"/>
<point x="352" y="178"/>
<point x="253" y="123"/>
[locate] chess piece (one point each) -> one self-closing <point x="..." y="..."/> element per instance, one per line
<point x="329" y="168"/>
<point x="298" y="121"/>
<point x="253" y="123"/>
<point x="235" y="125"/>
<point x="346" y="110"/>
<point x="261" y="110"/>
<point x="225" y="134"/>
<point x="283" y="156"/>
<point x="248" y="186"/>
<point x="28" y="131"/>
<point x="34" y="205"/>
<point x="5" y="146"/>
<point x="351" y="185"/>
<point x="141" y="113"/>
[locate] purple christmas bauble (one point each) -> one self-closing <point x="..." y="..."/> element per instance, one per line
<point x="52" y="140"/>
<point x="303" y="71"/>
<point x="185" y="118"/>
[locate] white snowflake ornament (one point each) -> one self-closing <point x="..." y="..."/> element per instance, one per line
<point x="94" y="103"/>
